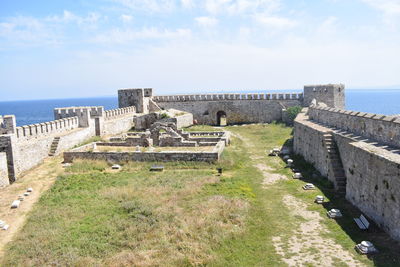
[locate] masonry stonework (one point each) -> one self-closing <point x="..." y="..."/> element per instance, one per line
<point x="3" y="170"/>
<point x="251" y="110"/>
<point x="366" y="143"/>
<point x="368" y="146"/>
<point x="333" y="95"/>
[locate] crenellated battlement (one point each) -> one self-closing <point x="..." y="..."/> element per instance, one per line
<point x="84" y="114"/>
<point x="115" y="113"/>
<point x="78" y="111"/>
<point x="382" y="128"/>
<point x="230" y="96"/>
<point x="47" y="128"/>
<point x="7" y="124"/>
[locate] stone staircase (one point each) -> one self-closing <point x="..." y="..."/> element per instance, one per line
<point x="54" y="146"/>
<point x="336" y="166"/>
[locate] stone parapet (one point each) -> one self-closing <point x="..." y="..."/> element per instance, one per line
<point x="119" y="112"/>
<point x="47" y="128"/>
<point x="381" y="128"/>
<point x="231" y="96"/>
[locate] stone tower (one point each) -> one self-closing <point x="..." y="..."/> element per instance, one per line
<point x="331" y="94"/>
<point x="138" y="98"/>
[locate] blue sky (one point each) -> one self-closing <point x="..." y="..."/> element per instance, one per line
<point x="83" y="48"/>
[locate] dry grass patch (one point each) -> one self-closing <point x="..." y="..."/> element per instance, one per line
<point x="96" y="218"/>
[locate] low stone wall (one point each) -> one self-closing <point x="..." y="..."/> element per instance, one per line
<point x="184" y="120"/>
<point x="145" y="121"/>
<point x="384" y="129"/>
<point x="4" y="180"/>
<point x="176" y="142"/>
<point x="141" y="156"/>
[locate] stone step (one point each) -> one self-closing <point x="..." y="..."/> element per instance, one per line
<point x="339" y="173"/>
<point x="341" y="188"/>
<point x="337" y="167"/>
<point x="54" y="146"/>
<point x="341" y="183"/>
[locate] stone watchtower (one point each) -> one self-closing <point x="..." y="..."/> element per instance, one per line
<point x="331" y="94"/>
<point x="139" y="98"/>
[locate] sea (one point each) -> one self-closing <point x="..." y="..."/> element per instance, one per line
<point x="380" y="101"/>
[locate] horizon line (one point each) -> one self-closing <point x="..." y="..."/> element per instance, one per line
<point x="194" y="93"/>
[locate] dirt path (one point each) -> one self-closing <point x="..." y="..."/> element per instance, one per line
<point x="40" y="179"/>
<point x="306" y="246"/>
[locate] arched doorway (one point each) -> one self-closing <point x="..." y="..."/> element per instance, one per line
<point x="221" y="118"/>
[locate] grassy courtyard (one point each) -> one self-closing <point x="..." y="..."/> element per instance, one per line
<point x="252" y="215"/>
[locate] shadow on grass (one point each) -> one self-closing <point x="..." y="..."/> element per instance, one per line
<point x="389" y="249"/>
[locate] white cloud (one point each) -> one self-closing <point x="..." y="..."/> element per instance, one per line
<point x="26" y="31"/>
<point x="390" y="7"/>
<point x="22" y="31"/>
<point x="206" y="21"/>
<point x="390" y="10"/>
<point x="240" y="7"/>
<point x="274" y="21"/>
<point x="68" y="17"/>
<point x="120" y="36"/>
<point x="126" y="18"/>
<point x="328" y="26"/>
<point x="187" y="3"/>
<point x="149" y="5"/>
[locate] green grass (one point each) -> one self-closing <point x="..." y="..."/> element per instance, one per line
<point x="90" y="140"/>
<point x="201" y="128"/>
<point x="184" y="216"/>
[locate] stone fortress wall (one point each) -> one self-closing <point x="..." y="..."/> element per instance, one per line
<point x="22" y="148"/>
<point x="368" y="146"/>
<point x="238" y="108"/>
<point x="26" y="146"/>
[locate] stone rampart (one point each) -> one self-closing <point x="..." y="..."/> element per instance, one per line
<point x="119" y="112"/>
<point x="84" y="114"/>
<point x="308" y="142"/>
<point x="234" y="96"/>
<point x="30" y="152"/>
<point x="373" y="181"/>
<point x="381" y="128"/>
<point x="4" y="180"/>
<point x="34" y="131"/>
<point x="372" y="171"/>
<point x="235" y="111"/>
